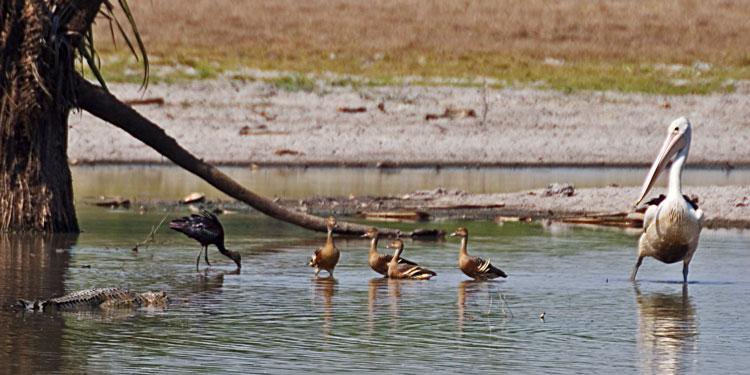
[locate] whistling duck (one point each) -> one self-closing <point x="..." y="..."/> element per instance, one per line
<point x="327" y="256"/>
<point x="672" y="226"/>
<point x="379" y="262"/>
<point x="474" y="267"/>
<point x="207" y="230"/>
<point x="398" y="270"/>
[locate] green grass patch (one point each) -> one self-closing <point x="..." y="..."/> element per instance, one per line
<point x="293" y="82"/>
<point x="424" y="69"/>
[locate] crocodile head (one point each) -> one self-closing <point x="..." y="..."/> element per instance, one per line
<point x="31" y="305"/>
<point x="152" y="298"/>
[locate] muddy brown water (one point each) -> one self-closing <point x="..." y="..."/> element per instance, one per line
<point x="274" y="317"/>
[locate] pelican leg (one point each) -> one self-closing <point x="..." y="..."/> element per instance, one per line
<point x="205" y="256"/>
<point x="635" y="268"/>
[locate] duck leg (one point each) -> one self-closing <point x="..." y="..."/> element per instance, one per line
<point x="635" y="268"/>
<point x="685" y="270"/>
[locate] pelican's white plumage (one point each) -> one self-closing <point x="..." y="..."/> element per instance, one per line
<point x="671" y="228"/>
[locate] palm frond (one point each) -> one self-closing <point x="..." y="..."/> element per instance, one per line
<point x="87" y="51"/>
<point x="141" y="46"/>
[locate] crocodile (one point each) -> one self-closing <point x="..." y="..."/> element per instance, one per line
<point x="98" y="298"/>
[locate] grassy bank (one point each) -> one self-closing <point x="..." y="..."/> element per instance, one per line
<point x="302" y="72"/>
<point x="648" y="46"/>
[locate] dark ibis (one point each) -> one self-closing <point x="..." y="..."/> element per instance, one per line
<point x="207" y="230"/>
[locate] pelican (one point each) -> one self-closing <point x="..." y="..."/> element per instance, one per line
<point x="671" y="226"/>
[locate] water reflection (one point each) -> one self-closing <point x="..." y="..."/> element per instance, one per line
<point x="206" y="282"/>
<point x="481" y="294"/>
<point x="174" y="182"/>
<point x="324" y="288"/>
<point x="394" y="294"/>
<point x="32" y="266"/>
<point x="374" y="287"/>
<point x="667" y="331"/>
<point x="470" y="288"/>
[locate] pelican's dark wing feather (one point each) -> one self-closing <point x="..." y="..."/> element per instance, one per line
<point x="693" y="202"/>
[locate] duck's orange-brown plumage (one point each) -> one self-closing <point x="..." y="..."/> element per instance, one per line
<point x="474" y="267"/>
<point x="379" y="262"/>
<point x="326" y="257"/>
<point x="398" y="270"/>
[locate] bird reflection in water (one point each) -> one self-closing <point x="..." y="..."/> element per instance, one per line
<point x="374" y="287"/>
<point x="324" y="289"/>
<point x="208" y="283"/>
<point x="667" y="331"/>
<point x="394" y="294"/>
<point x="470" y="289"/>
<point x="470" y="293"/>
<point x="378" y="286"/>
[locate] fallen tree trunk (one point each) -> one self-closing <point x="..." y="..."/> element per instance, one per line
<point x="104" y="105"/>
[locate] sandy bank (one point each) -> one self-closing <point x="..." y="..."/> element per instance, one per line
<point x="234" y="122"/>
<point x="724" y="207"/>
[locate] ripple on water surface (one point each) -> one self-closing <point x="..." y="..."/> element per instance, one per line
<point x="274" y="316"/>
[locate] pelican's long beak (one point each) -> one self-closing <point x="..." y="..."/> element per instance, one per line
<point x="672" y="145"/>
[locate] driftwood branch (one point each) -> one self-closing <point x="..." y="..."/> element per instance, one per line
<point x="104" y="105"/>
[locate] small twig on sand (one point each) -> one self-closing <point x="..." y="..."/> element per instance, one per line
<point x="485" y="103"/>
<point x="150" y="237"/>
<point x="146" y="101"/>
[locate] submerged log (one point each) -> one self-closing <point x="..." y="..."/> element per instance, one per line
<point x="615" y="219"/>
<point x="396" y="215"/>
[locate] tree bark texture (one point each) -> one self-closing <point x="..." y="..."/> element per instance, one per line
<point x="37" y="43"/>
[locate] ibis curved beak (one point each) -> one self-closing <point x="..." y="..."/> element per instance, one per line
<point x="674" y="143"/>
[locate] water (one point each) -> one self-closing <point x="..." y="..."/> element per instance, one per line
<point x="274" y="317"/>
<point x="173" y="182"/>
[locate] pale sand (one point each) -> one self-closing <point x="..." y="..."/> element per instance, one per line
<point x="523" y="126"/>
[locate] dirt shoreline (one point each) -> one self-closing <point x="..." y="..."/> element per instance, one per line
<point x="230" y="122"/>
<point x="726" y="207"/>
<point x="401" y="164"/>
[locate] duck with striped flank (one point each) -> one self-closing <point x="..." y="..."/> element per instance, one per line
<point x="474" y="267"/>
<point x="398" y="270"/>
<point x="379" y="262"/>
